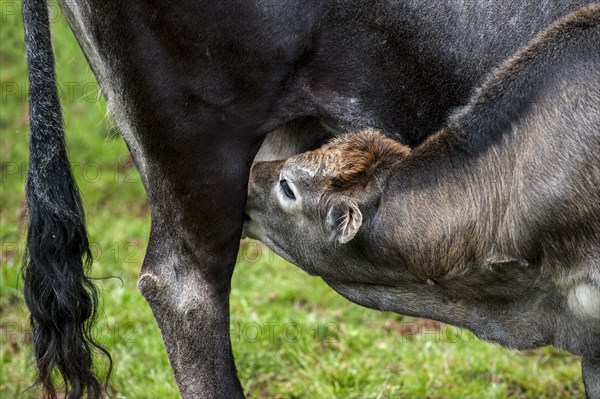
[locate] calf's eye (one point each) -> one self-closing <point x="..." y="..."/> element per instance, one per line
<point x="287" y="191"/>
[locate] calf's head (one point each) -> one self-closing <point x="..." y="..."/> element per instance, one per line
<point x="315" y="208"/>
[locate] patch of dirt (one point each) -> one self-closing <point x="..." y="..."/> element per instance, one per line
<point x="413" y="326"/>
<point x="8" y="253"/>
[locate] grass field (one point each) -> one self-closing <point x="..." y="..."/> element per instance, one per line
<point x="292" y="335"/>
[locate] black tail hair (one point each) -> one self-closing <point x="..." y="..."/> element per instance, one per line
<point x="61" y="298"/>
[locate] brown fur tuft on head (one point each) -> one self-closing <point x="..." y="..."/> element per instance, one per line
<point x="357" y="156"/>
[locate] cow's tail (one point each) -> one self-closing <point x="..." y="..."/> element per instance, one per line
<point x="61" y="298"/>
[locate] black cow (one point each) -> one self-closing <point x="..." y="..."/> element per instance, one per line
<point x="196" y="88"/>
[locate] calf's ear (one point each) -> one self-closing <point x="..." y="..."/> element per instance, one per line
<point x="343" y="221"/>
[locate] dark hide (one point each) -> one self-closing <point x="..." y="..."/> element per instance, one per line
<point x="195" y="87"/>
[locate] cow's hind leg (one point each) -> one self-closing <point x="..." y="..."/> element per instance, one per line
<point x="193" y="104"/>
<point x="197" y="214"/>
<point x="193" y="316"/>
<point x="590" y="368"/>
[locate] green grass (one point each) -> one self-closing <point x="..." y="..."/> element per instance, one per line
<point x="292" y="335"/>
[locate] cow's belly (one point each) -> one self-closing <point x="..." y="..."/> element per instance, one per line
<point x="294" y="138"/>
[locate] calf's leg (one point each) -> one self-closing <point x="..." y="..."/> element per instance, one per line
<point x="590" y="369"/>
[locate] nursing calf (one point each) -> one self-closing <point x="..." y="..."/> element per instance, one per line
<point x="492" y="224"/>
